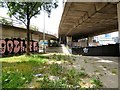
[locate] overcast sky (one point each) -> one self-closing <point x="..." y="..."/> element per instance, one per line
<point x="52" y="23"/>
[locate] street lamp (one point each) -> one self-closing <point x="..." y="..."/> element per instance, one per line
<point x="44" y="51"/>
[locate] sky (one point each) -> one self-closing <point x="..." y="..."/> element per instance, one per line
<point x="51" y="24"/>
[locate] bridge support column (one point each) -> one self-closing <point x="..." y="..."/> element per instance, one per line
<point x="48" y="43"/>
<point x="69" y="40"/>
<point x="60" y="40"/>
<point x="118" y="13"/>
<point x="90" y="41"/>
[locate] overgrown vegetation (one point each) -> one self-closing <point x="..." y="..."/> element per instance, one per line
<point x="97" y="82"/>
<point x="36" y="71"/>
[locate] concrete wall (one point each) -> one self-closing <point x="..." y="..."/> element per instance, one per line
<point x="16" y="46"/>
<point x="16" y="33"/>
<point x="80" y="43"/>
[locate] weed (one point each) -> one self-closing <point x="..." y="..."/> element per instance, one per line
<point x="83" y="74"/>
<point x="104" y="66"/>
<point x="60" y="57"/>
<point x="82" y="68"/>
<point x="15" y="79"/>
<point x="71" y="62"/>
<point x="73" y="77"/>
<point x="47" y="83"/>
<point x="96" y="71"/>
<point x="96" y="82"/>
<point x="114" y="71"/>
<point x="85" y="61"/>
<point x="115" y="68"/>
<point x="55" y="69"/>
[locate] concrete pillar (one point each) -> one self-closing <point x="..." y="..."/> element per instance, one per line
<point x="59" y="39"/>
<point x="90" y="41"/>
<point x="118" y="13"/>
<point x="69" y="41"/>
<point x="48" y="43"/>
<point x="63" y="40"/>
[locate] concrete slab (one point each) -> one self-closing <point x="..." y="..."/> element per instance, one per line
<point x="106" y="68"/>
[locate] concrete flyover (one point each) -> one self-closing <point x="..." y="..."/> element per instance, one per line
<point x="16" y="32"/>
<point x="87" y="19"/>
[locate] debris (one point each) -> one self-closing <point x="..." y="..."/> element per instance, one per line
<point x="38" y="75"/>
<point x="53" y="78"/>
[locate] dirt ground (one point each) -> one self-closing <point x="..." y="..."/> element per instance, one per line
<point x="105" y="68"/>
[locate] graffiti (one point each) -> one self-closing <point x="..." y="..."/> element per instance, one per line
<point x="85" y="50"/>
<point x="16" y="46"/>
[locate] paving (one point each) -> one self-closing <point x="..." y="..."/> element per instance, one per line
<point x="105" y="68"/>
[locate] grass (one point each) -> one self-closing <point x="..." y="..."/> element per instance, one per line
<point x="20" y="71"/>
<point x="55" y="69"/>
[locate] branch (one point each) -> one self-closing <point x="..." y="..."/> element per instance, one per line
<point x="34" y="14"/>
<point x="14" y="15"/>
<point x="36" y="11"/>
<point x="20" y="20"/>
<point x="33" y="7"/>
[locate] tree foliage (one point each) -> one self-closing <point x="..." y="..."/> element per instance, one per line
<point x="26" y="10"/>
<point x="4" y="21"/>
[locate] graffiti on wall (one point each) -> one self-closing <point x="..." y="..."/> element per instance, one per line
<point x="17" y="46"/>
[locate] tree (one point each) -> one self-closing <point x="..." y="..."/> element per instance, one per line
<point x="24" y="11"/>
<point x="6" y="22"/>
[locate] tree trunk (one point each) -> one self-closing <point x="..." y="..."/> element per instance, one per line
<point x="28" y="32"/>
<point x="28" y="38"/>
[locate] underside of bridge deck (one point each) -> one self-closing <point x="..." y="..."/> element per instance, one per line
<point x="86" y="19"/>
